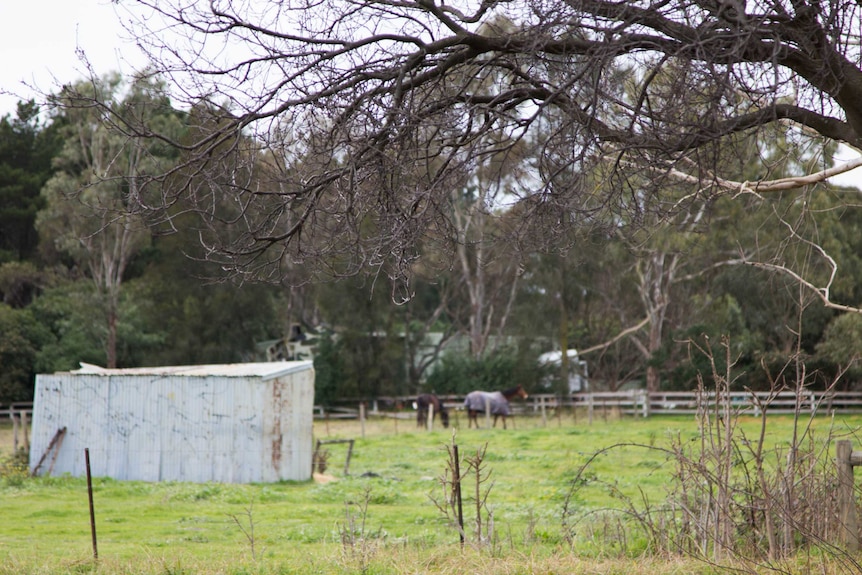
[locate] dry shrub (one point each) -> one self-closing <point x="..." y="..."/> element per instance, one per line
<point x="459" y="498"/>
<point x="733" y="500"/>
<point x="15" y="469"/>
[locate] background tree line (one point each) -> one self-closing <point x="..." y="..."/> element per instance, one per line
<point x="87" y="275"/>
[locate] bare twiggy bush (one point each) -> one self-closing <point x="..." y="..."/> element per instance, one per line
<point x="450" y="502"/>
<point x="733" y="498"/>
<point x="357" y="543"/>
<point x="246" y="525"/>
<point x="733" y="495"/>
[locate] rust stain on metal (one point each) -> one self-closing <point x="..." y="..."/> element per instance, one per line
<point x="277" y="388"/>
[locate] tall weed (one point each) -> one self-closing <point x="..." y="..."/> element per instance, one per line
<point x="732" y="498"/>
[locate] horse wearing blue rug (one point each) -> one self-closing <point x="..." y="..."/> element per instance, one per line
<point x="477" y="402"/>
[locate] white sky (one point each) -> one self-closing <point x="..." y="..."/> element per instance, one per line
<point x="39" y="40"/>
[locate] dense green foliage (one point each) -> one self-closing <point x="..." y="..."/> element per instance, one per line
<point x="20" y="346"/>
<point x="498" y="370"/>
<point x="26" y="151"/>
<point x="83" y="277"/>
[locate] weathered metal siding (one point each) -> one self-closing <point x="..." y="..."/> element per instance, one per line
<point x="289" y="438"/>
<point x="168" y="426"/>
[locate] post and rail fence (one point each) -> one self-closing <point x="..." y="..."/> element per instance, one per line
<point x="20" y="413"/>
<point x="637" y="403"/>
<point x="595" y="403"/>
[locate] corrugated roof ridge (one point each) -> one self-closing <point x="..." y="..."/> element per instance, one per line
<point x="266" y="370"/>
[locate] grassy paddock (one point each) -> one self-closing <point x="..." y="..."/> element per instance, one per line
<point x="380" y="518"/>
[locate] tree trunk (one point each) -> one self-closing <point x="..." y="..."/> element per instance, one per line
<point x="564" y="333"/>
<point x="111" y="343"/>
<point x="656" y="274"/>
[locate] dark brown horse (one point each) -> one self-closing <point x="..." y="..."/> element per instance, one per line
<point x="477" y="402"/>
<point x="424" y="403"/>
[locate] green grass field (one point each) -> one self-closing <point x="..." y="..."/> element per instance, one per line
<point x="378" y="519"/>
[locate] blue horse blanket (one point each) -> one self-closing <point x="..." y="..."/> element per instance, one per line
<point x="475" y="401"/>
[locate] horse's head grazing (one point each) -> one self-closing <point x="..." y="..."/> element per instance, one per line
<point x="515" y="392"/>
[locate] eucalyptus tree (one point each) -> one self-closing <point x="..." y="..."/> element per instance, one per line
<point x="675" y="276"/>
<point x="487" y="268"/>
<point x="93" y="202"/>
<point x="374" y="88"/>
<point x="691" y="262"/>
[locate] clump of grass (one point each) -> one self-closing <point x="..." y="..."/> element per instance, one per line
<point x="14" y="469"/>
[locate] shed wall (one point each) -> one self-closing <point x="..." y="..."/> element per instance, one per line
<point x="177" y="428"/>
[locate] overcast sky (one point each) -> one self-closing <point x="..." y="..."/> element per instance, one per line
<point x="39" y="40"/>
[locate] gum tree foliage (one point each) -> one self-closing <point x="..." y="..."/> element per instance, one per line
<point x="92" y="209"/>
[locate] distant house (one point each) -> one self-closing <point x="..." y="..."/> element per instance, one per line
<point x="578" y="379"/>
<point x="234" y="423"/>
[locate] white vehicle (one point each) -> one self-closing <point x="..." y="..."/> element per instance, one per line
<point x="578" y="373"/>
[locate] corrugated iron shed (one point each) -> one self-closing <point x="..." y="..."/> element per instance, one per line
<point x="232" y="423"/>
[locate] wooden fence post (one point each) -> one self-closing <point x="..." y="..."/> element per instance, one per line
<point x="14" y="430"/>
<point x="544" y="414"/>
<point x="845" y="459"/>
<point x="26" y="434"/>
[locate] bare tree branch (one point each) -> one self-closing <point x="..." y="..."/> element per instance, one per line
<point x="624" y="333"/>
<point x="333" y="133"/>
